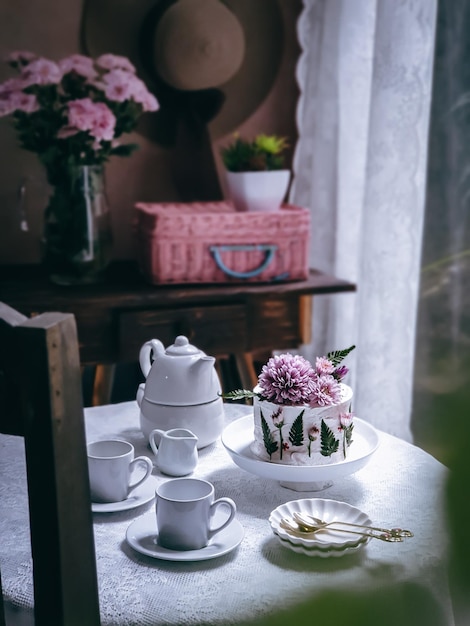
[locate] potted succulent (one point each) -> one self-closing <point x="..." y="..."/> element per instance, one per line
<point x="256" y="177"/>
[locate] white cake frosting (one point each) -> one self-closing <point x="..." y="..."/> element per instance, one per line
<point x="302" y="435"/>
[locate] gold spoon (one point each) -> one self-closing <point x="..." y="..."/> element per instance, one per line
<point x="306" y="520"/>
<point x="293" y="528"/>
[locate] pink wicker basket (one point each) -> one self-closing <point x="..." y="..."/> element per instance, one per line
<point x="210" y="242"/>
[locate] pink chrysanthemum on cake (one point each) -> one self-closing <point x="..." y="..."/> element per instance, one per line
<point x="326" y="391"/>
<point x="287" y="379"/>
<point x="291" y="380"/>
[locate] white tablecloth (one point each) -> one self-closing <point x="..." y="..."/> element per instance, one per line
<point x="401" y="485"/>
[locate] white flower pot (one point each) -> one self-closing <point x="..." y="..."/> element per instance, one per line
<point x="258" y="191"/>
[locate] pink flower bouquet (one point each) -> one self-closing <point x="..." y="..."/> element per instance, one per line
<point x="73" y="111"/>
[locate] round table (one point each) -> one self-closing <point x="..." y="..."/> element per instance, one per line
<point x="260" y="579"/>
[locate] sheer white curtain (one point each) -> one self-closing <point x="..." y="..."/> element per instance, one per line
<point x="365" y="77"/>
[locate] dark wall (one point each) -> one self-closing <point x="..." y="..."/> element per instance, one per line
<point x="52" y="29"/>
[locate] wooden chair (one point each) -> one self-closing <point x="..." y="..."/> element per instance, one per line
<point x="41" y="400"/>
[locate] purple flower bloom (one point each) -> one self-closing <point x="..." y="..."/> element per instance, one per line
<point x="326" y="391"/>
<point x="340" y="372"/>
<point x="290" y="380"/>
<point x="287" y="379"/>
<point x="324" y="365"/>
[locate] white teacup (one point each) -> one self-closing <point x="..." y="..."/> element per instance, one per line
<point x="185" y="508"/>
<point x="110" y="465"/>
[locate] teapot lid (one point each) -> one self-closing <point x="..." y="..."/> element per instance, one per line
<point x="182" y="347"/>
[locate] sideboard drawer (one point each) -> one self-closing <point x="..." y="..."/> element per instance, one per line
<point x="216" y="329"/>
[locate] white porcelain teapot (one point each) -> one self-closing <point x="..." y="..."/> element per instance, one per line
<point x="182" y="390"/>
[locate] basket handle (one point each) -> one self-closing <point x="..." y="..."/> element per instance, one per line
<point x="268" y="249"/>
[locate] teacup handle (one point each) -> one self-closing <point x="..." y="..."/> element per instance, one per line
<point x="148" y="470"/>
<point x="233" y="509"/>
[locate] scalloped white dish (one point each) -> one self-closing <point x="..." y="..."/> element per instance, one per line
<point x="238" y="437"/>
<point x="327" y="542"/>
<point x="323" y="554"/>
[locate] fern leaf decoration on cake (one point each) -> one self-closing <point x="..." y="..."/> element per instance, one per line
<point x="270" y="443"/>
<point x="329" y="444"/>
<point x="338" y="355"/>
<point x="238" y="394"/>
<point x="296" y="432"/>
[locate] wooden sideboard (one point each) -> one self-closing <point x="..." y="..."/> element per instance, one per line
<point x="116" y="317"/>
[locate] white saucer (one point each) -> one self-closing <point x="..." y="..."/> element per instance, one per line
<point x="238" y="437"/>
<point x="141" y="495"/>
<point x="328" y="542"/>
<point x="142" y="536"/>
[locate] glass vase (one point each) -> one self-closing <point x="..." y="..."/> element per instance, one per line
<point x="77" y="240"/>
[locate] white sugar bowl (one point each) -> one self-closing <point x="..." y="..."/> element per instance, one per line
<point x="181" y="390"/>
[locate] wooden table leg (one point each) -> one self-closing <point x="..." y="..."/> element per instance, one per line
<point x="103" y="384"/>
<point x="246" y="369"/>
<point x="305" y="318"/>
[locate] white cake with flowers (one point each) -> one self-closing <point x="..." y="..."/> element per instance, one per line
<point x="302" y="414"/>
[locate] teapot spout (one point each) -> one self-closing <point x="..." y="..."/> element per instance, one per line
<point x="205" y="364"/>
<point x="204" y="374"/>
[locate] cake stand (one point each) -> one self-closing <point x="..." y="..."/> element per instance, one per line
<point x="238" y="437"/>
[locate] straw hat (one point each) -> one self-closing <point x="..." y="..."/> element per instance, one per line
<point x="199" y="44"/>
<point x="205" y="58"/>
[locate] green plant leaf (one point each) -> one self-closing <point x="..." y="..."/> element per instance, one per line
<point x="296" y="433"/>
<point x="347" y="438"/>
<point x="329" y="444"/>
<point x="270" y="144"/>
<point x="263" y="153"/>
<point x="269" y="442"/>
<point x="239" y="394"/>
<point x="338" y="355"/>
<point x="348" y="434"/>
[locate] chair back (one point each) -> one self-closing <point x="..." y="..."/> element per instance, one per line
<point x="41" y="401"/>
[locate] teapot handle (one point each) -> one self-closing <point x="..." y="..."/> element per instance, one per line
<point x="154" y="345"/>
